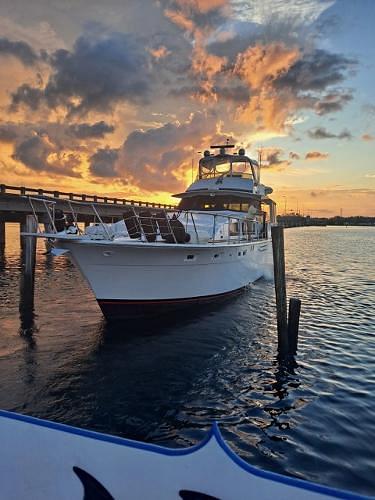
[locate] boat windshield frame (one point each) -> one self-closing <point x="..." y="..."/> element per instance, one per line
<point x="211" y="167"/>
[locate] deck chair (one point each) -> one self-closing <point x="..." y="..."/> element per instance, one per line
<point x="148" y="225"/>
<point x="132" y="224"/>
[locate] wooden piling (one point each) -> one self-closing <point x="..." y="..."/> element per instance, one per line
<point x="29" y="248"/>
<point x="2" y="235"/>
<point x="277" y="233"/>
<point x="293" y="324"/>
<point x="28" y="256"/>
<point x="26" y="304"/>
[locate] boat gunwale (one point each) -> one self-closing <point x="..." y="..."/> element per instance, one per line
<point x="160" y="244"/>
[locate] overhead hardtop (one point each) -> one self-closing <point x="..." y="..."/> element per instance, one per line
<point x="226" y="164"/>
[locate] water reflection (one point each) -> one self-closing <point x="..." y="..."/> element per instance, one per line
<point x="2" y="260"/>
<point x="26" y="305"/>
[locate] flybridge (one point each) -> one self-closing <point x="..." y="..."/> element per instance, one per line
<point x="226" y="164"/>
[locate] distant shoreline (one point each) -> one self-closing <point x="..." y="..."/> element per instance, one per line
<point x="296" y="220"/>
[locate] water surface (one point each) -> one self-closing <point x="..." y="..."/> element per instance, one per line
<point x="166" y="382"/>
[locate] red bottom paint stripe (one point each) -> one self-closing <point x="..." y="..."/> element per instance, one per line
<point x="169" y="301"/>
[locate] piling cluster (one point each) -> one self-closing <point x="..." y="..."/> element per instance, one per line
<point x="287" y="325"/>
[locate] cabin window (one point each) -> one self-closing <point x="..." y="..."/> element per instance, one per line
<point x="235" y="206"/>
<point x="209" y="206"/>
<point x="217" y="203"/>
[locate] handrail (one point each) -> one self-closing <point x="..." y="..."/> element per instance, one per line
<point x="24" y="191"/>
<point x="242" y="232"/>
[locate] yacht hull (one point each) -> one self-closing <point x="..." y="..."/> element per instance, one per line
<point x="133" y="280"/>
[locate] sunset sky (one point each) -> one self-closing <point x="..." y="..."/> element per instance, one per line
<point x="117" y="97"/>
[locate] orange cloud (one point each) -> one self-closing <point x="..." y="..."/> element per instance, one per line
<point x="316" y="155"/>
<point x="204" y="65"/>
<point x="202" y="6"/>
<point x="180" y="19"/>
<point x="259" y="67"/>
<point x="368" y="137"/>
<point x="160" y="52"/>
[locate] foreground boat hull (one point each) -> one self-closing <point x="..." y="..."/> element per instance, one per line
<point x="48" y="460"/>
<point x="131" y="280"/>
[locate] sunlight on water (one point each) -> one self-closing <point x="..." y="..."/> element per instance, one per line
<point x="166" y="382"/>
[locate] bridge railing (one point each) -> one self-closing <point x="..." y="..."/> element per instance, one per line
<point x="25" y="191"/>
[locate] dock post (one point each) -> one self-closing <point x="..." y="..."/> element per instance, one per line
<point x="26" y="304"/>
<point x="293" y="324"/>
<point x="28" y="253"/>
<point x="31" y="226"/>
<point x="277" y="233"/>
<point x="2" y="236"/>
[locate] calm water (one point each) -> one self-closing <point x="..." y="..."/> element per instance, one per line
<point x="166" y="383"/>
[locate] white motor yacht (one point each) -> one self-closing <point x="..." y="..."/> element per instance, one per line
<point x="215" y="243"/>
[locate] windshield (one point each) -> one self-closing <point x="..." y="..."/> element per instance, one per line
<point x="210" y="168"/>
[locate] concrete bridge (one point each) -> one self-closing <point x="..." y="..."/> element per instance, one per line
<point x="15" y="205"/>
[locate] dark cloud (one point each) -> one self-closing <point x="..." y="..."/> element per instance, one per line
<point x="20" y="50"/>
<point x="272" y="159"/>
<point x="25" y="94"/>
<point x="34" y="152"/>
<point x="233" y="46"/>
<point x="7" y="133"/>
<point x="317" y="194"/>
<point x="294" y="156"/>
<point x="102" y="163"/>
<point x="90" y="131"/>
<point x="59" y="136"/>
<point x="156" y="158"/>
<point x="239" y="94"/>
<point x="316" y="155"/>
<point x="316" y="71"/>
<point x="322" y="133"/>
<point x="96" y="74"/>
<point x="332" y="102"/>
